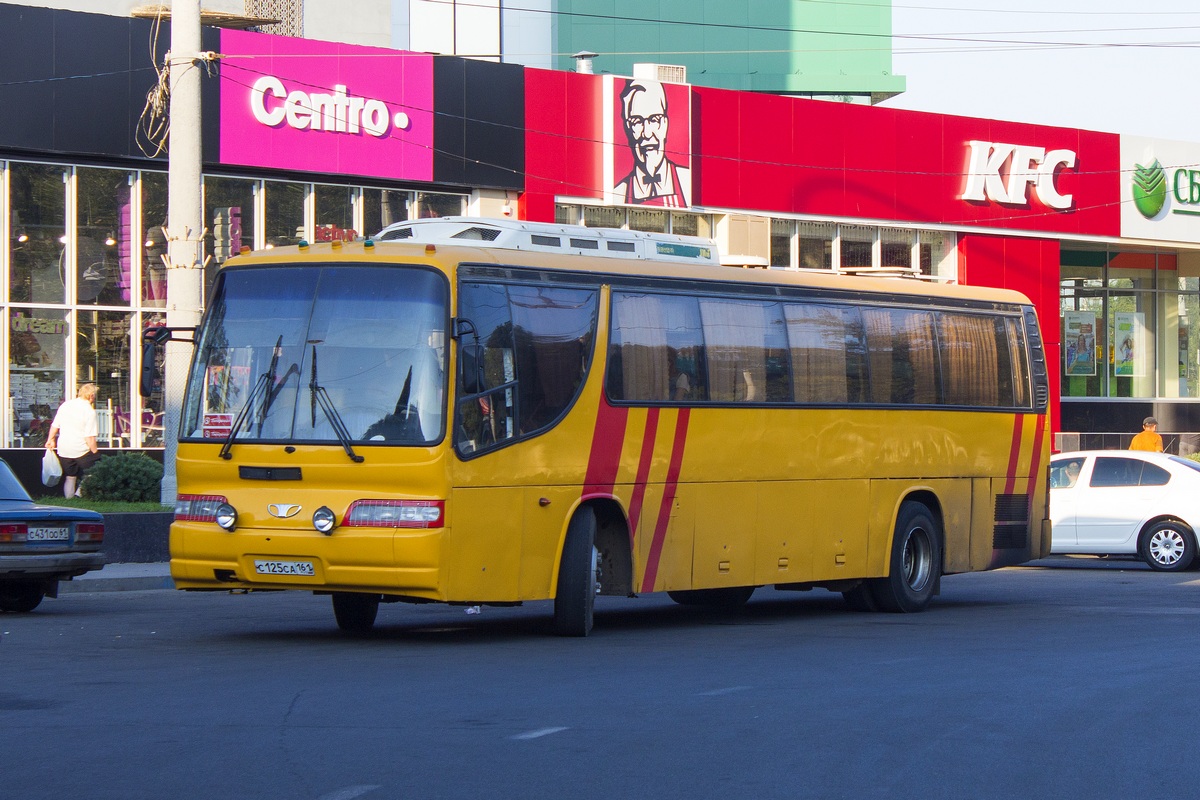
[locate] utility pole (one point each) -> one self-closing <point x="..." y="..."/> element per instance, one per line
<point x="185" y="221"/>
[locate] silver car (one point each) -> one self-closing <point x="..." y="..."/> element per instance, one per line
<point x="1126" y="502"/>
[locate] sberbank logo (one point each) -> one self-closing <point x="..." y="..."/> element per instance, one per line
<point x="1155" y="187"/>
<point x="1149" y="189"/>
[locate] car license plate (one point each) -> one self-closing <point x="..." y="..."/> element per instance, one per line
<point x="44" y="534"/>
<point x="304" y="568"/>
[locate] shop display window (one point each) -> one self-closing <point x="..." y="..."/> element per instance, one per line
<point x="37" y="232"/>
<point x="37" y="347"/>
<point x="154" y="240"/>
<point x="382" y="207"/>
<point x="104" y="237"/>
<point x="335" y="213"/>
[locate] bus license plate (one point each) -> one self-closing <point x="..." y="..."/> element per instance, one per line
<point x="42" y="534"/>
<point x="304" y="568"/>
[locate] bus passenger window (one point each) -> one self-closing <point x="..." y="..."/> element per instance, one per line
<point x="971" y="361"/>
<point x="739" y="337"/>
<point x="827" y="353"/>
<point x="554" y="329"/>
<point x="901" y="356"/>
<point x="656" y="352"/>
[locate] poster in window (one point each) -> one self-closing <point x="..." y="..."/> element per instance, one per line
<point x="1079" y="338"/>
<point x="1128" y="334"/>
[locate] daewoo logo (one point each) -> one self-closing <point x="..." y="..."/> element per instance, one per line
<point x="283" y="510"/>
<point x="1003" y="173"/>
<point x="273" y="105"/>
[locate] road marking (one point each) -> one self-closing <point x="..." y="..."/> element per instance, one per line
<point x="349" y="793"/>
<point x="538" y="733"/>
<point x="729" y="690"/>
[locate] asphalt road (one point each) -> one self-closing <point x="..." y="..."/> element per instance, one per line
<point x="1070" y="679"/>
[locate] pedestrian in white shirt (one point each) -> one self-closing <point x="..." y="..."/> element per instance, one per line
<point x="73" y="437"/>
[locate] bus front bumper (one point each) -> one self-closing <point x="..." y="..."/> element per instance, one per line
<point x="403" y="562"/>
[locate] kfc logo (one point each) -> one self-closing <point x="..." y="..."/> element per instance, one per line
<point x="1003" y="173"/>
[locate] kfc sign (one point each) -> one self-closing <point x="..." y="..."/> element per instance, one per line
<point x="1003" y="173"/>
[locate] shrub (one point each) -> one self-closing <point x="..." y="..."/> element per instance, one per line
<point x="128" y="477"/>
<point x="1194" y="456"/>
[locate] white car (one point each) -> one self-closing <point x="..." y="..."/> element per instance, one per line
<point x="1111" y="502"/>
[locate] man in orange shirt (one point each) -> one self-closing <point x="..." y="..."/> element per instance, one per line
<point x="1148" y="439"/>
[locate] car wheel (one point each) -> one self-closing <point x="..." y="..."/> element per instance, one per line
<point x="1168" y="546"/>
<point x="916" y="562"/>
<point x="730" y="597"/>
<point x="355" y="612"/>
<point x="20" y="598"/>
<point x="577" y="577"/>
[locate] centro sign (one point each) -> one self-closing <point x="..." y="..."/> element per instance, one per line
<point x="272" y="105"/>
<point x="1003" y="173"/>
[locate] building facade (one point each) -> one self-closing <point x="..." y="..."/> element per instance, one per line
<point x="310" y="140"/>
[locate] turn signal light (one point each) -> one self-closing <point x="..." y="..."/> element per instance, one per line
<point x="395" y="514"/>
<point x="14" y="533"/>
<point x="89" y="532"/>
<point x="197" y="507"/>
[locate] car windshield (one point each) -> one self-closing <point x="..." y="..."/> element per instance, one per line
<point x="294" y="353"/>
<point x="10" y="487"/>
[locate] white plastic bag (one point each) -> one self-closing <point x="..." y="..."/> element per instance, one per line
<point x="51" y="469"/>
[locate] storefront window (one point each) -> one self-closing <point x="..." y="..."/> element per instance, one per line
<point x="815" y="245"/>
<point x="38" y="232"/>
<point x="229" y="217"/>
<point x="565" y="214"/>
<point x="857" y="242"/>
<point x="103" y="357"/>
<point x="439" y="205"/>
<point x="781" y="242"/>
<point x="36" y="358"/>
<point x="382" y="207"/>
<point x="645" y="219"/>
<point x="895" y="249"/>
<point x="335" y="213"/>
<point x="603" y="217"/>
<point x="154" y="241"/>
<point x="938" y="256"/>
<point x="147" y="425"/>
<point x="691" y="225"/>
<point x="104" y="246"/>
<point x="1129" y="324"/>
<point x="284" y="221"/>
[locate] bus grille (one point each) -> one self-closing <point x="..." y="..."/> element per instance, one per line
<point x="1011" y="531"/>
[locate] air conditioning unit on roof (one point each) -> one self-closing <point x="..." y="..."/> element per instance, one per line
<point x="663" y="73"/>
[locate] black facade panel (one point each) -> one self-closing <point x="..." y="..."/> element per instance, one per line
<point x="73" y="83"/>
<point x="479" y="126"/>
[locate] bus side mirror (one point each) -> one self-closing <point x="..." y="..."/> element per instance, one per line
<point x="470" y="357"/>
<point x="151" y="339"/>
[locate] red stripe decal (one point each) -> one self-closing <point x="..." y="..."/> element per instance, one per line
<point x="605" y="458"/>
<point x="668" y="500"/>
<point x="1014" y="454"/>
<point x="1034" y="463"/>
<point x="643" y="472"/>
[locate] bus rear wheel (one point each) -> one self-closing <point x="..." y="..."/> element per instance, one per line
<point x="916" y="562"/>
<point x="575" y="599"/>
<point x="728" y="597"/>
<point x="355" y="612"/>
<point x="20" y="597"/>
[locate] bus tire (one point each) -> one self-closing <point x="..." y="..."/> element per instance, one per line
<point x="726" y="597"/>
<point x="916" y="562"/>
<point x="355" y="612"/>
<point x="20" y="597"/>
<point x="860" y="598"/>
<point x="575" y="599"/>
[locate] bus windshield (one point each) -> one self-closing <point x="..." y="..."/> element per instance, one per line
<point x="292" y="354"/>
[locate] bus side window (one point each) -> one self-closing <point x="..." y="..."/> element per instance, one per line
<point x="656" y="352"/>
<point x="554" y="330"/>
<point x="485" y="398"/>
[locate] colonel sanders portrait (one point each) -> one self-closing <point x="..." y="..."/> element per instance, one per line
<point x="655" y="180"/>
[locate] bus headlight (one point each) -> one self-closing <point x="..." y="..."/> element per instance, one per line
<point x="226" y="516"/>
<point x="324" y="520"/>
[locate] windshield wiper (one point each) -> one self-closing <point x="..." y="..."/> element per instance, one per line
<point x="264" y="380"/>
<point x="320" y="396"/>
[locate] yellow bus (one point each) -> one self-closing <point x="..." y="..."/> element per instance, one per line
<point x="481" y="412"/>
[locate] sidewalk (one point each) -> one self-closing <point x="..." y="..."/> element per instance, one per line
<point x="121" y="578"/>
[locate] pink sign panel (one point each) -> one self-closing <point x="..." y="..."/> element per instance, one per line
<point x="309" y="106"/>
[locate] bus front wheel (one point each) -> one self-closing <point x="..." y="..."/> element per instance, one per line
<point x="355" y="612"/>
<point x="916" y="562"/>
<point x="576" y="596"/>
